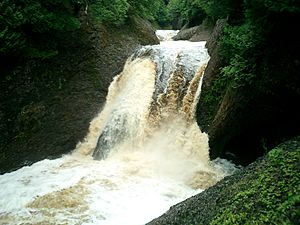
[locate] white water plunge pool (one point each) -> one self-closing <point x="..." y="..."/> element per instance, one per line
<point x="157" y="155"/>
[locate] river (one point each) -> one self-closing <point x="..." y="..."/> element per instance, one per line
<point x="144" y="151"/>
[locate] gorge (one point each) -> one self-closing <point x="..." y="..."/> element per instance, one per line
<point x="105" y="120"/>
<point x="152" y="153"/>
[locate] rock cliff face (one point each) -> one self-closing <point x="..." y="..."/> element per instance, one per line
<point x="46" y="105"/>
<point x="244" y="122"/>
<point x="206" y="112"/>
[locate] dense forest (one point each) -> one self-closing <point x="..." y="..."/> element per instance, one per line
<point x="47" y="48"/>
<point x="26" y="25"/>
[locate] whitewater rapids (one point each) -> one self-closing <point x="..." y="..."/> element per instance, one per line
<point x="151" y="153"/>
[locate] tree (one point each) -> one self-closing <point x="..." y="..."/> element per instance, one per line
<point x="23" y="24"/>
<point x="187" y="11"/>
<point x="109" y="11"/>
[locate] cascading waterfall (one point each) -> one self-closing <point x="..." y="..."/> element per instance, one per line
<point x="158" y="84"/>
<point x="150" y="153"/>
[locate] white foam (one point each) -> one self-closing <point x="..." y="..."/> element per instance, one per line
<point x="166" y="35"/>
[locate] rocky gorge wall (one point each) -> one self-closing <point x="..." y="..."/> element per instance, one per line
<point x="244" y="122"/>
<point x="47" y="104"/>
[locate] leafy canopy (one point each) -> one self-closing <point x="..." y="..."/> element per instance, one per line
<point x="30" y="26"/>
<point x="23" y="21"/>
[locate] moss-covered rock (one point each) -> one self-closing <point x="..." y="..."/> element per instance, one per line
<point x="265" y="192"/>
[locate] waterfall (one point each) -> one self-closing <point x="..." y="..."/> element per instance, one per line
<point x="144" y="151"/>
<point x="157" y="89"/>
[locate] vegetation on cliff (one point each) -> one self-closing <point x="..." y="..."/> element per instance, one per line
<point x="270" y="194"/>
<point x="25" y="26"/>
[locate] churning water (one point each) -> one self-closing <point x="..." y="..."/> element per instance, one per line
<point x="144" y="151"/>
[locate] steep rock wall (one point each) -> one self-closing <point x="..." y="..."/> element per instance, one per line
<point x="244" y="122"/>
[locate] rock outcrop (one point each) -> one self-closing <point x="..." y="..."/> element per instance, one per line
<point x="206" y="112"/>
<point x="194" y="34"/>
<point x="243" y="122"/>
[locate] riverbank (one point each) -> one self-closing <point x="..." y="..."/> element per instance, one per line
<point x="265" y="192"/>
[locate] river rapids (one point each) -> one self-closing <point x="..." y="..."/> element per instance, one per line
<point x="144" y="151"/>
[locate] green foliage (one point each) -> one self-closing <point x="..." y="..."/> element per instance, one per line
<point x="110" y="11"/>
<point x="162" y="17"/>
<point x="148" y="9"/>
<point x="283" y="5"/>
<point x="218" y="9"/>
<point x="270" y="196"/>
<point x="11" y="19"/>
<point x="248" y="52"/>
<point x="237" y="49"/>
<point x="22" y="21"/>
<point x="188" y="10"/>
<point x="238" y="45"/>
<point x="178" y="8"/>
<point x="238" y="41"/>
<point x="25" y="26"/>
<point x="185" y="10"/>
<point x="116" y="11"/>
